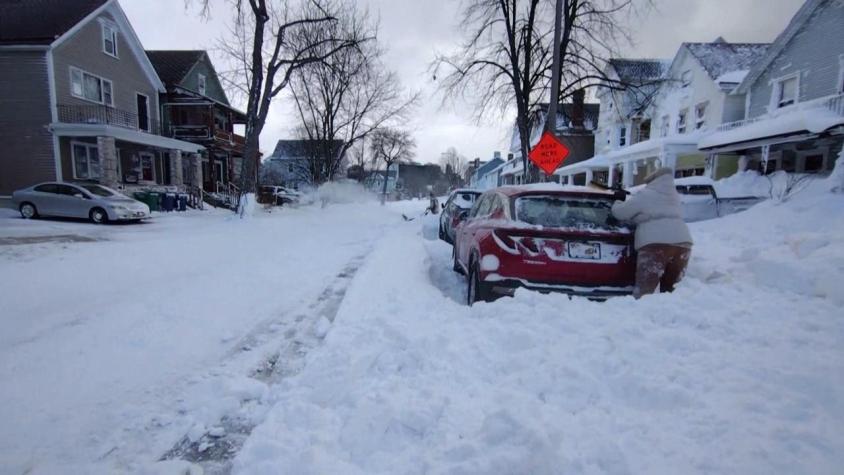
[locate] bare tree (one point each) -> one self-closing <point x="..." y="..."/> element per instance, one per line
<point x="391" y="146"/>
<point x="270" y="41"/>
<point x="453" y="165"/>
<point x="506" y="59"/>
<point x="345" y="98"/>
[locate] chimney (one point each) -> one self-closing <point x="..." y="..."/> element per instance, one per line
<point x="496" y="154"/>
<point x="577" y="109"/>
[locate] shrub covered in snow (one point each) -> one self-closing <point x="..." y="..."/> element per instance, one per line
<point x="836" y="180"/>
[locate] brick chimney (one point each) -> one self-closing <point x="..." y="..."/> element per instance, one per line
<point x="578" y="111"/>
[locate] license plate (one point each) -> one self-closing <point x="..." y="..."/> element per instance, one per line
<point x="584" y="250"/>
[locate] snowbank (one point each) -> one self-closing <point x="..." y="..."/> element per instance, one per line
<point x="738" y="185"/>
<point x="741" y="370"/>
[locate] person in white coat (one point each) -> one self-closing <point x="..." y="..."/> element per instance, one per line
<point x="662" y="239"/>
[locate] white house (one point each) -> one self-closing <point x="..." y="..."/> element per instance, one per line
<point x="663" y="127"/>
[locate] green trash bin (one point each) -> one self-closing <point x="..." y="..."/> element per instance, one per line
<point x="141" y="196"/>
<point x="154" y="201"/>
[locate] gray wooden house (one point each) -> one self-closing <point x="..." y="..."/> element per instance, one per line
<point x="794" y="99"/>
<point x="80" y="101"/>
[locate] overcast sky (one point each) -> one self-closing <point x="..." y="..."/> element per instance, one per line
<point x="414" y="30"/>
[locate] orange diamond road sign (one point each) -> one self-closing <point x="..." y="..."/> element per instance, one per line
<point x="549" y="153"/>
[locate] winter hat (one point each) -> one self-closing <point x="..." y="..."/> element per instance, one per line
<point x="658" y="173"/>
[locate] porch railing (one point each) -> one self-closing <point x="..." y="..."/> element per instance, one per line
<point x="106" y="115"/>
<point x="229" y="192"/>
<point x="834" y="104"/>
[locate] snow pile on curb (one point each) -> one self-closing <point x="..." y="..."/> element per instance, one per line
<point x="739" y="371"/>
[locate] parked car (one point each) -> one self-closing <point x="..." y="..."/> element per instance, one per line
<point x="544" y="238"/>
<point x="454" y="210"/>
<point x="69" y="200"/>
<point x="279" y="195"/>
<point x="701" y="202"/>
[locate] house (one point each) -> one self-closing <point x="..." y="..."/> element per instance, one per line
<point x="80" y="100"/>
<point x="793" y="100"/>
<point x="576" y="125"/>
<point x="694" y="96"/>
<point x="195" y="109"/>
<point x="374" y="180"/>
<point x="486" y="175"/>
<point x="290" y="163"/>
<point x="418" y="179"/>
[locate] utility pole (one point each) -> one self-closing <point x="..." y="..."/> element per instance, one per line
<point x="551" y="120"/>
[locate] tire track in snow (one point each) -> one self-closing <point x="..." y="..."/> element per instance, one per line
<point x="215" y="449"/>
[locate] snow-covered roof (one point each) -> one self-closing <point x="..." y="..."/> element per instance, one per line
<point x="681" y="143"/>
<point x="773" y="51"/>
<point x="720" y="58"/>
<point x="639" y="70"/>
<point x="732" y="77"/>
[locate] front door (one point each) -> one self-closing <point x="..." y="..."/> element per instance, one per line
<point x="143" y="112"/>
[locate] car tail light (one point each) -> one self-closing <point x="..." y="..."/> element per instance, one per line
<point x="529" y="244"/>
<point x="505" y="242"/>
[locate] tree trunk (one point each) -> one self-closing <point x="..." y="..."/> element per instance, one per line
<point x="386" y="179"/>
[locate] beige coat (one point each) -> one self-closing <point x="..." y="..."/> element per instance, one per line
<point x="656" y="212"/>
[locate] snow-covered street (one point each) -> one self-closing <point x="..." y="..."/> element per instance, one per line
<point x="336" y="340"/>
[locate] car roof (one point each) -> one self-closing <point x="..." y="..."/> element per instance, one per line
<point x="513" y="191"/>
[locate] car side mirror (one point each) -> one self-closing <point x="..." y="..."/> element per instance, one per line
<point x="463" y="214"/>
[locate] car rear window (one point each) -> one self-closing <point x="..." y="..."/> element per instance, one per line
<point x="564" y="212"/>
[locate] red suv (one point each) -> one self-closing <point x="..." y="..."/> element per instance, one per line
<point x="546" y="238"/>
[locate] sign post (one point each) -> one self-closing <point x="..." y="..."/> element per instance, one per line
<point x="549" y="153"/>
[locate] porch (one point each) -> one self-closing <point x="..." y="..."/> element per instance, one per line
<point x="118" y="149"/>
<point x="630" y="165"/>
<point x="802" y="138"/>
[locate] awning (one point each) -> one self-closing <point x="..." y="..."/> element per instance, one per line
<point x="62" y="129"/>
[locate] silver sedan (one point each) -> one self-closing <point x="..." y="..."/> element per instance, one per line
<point x="69" y="200"/>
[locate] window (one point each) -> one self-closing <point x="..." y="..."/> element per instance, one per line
<point x="109" y="40"/>
<point x="86" y="161"/>
<point x="813" y="163"/>
<point x="686" y="78"/>
<point x="143" y="111"/>
<point x="48" y="188"/>
<point x="91" y="88"/>
<point x="785" y="91"/>
<point x="700" y="115"/>
<point x="644" y="130"/>
<point x="681" y="121"/>
<point x="289" y="168"/>
<point x="665" y="125"/>
<point x="622" y="136"/>
<point x="143" y="164"/>
<point x="200" y="87"/>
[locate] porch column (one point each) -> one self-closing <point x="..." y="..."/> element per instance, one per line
<point x="196" y="170"/>
<point x="108" y="161"/>
<point x="628" y="169"/>
<point x="176" y="177"/>
<point x="669" y="159"/>
<point x="589" y="176"/>
<point x="611" y="176"/>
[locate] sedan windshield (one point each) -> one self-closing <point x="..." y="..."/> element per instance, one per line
<point x="564" y="212"/>
<point x="99" y="190"/>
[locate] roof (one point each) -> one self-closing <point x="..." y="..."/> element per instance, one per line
<point x="286" y="149"/>
<point x="489" y="166"/>
<point x="794" y="26"/>
<point x="172" y="66"/>
<point x="636" y="70"/>
<point x="719" y="58"/>
<point x="40" y="22"/>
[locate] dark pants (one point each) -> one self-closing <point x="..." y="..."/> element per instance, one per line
<point x="660" y="265"/>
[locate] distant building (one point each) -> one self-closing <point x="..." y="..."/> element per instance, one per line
<point x="486" y="177"/>
<point x="576" y="125"/>
<point x="290" y="163"/>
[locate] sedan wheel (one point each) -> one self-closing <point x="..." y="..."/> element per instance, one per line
<point x="475" y="289"/>
<point x="28" y="211"/>
<point x="455" y="265"/>
<point x="98" y="216"/>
